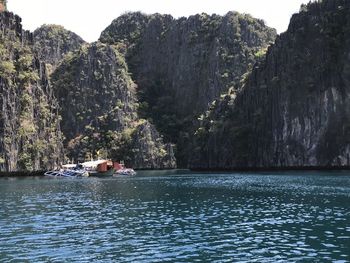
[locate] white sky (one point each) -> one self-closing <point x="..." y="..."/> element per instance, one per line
<point x="88" y="18"/>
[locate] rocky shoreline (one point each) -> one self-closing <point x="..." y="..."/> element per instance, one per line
<point x="21" y="174"/>
<point x="274" y="169"/>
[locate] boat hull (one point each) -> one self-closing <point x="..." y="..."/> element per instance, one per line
<point x="125" y="172"/>
<point x="110" y="172"/>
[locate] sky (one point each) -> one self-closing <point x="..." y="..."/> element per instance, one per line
<point x="88" y="18"/>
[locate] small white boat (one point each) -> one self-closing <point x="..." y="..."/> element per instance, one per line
<point x="125" y="171"/>
<point x="68" y="170"/>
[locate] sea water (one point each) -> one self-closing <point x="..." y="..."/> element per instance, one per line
<point x="177" y="216"/>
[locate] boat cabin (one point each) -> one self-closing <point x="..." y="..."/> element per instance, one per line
<point x="101" y="165"/>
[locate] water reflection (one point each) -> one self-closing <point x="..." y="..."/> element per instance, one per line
<point x="161" y="217"/>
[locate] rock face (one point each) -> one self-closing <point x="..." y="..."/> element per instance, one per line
<point x="53" y="42"/>
<point x="92" y="82"/>
<point x="293" y="110"/>
<point x="99" y="110"/>
<point x="30" y="137"/>
<point x="152" y="155"/>
<point x="180" y="66"/>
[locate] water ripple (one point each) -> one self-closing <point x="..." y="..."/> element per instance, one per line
<point x="177" y="218"/>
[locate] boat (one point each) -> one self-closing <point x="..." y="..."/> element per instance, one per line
<point x="99" y="168"/>
<point x="68" y="170"/>
<point x="122" y="170"/>
<point x="125" y="171"/>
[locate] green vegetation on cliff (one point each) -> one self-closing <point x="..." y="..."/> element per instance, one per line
<point x="181" y="66"/>
<point x="30" y="137"/>
<point x="99" y="110"/>
<point x="212" y="85"/>
<point x="3" y="5"/>
<point x="293" y="109"/>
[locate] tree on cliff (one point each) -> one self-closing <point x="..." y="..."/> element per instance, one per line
<point x="3" y="5"/>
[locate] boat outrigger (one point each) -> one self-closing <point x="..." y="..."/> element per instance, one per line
<point x="69" y="170"/>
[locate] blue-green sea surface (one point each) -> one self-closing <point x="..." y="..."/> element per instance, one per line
<point x="177" y="216"/>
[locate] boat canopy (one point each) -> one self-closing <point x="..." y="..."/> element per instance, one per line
<point x="69" y="166"/>
<point x="94" y="164"/>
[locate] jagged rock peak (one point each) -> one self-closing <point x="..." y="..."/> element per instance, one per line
<point x="53" y="42"/>
<point x="11" y="28"/>
<point x="130" y="26"/>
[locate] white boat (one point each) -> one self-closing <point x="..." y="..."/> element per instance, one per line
<point x="68" y="170"/>
<point x="125" y="171"/>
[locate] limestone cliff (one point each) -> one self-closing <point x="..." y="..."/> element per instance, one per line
<point x="99" y="110"/>
<point x="293" y="110"/>
<point x="182" y="65"/>
<point x="30" y="137"/>
<point x="53" y="42"/>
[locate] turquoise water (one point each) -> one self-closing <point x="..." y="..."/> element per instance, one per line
<point x="177" y="217"/>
